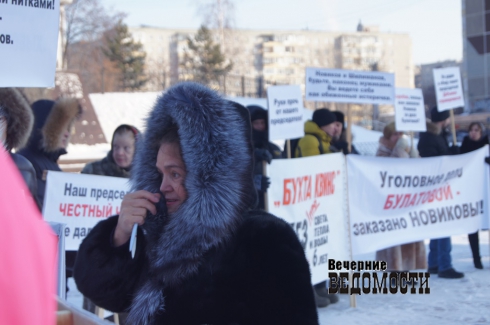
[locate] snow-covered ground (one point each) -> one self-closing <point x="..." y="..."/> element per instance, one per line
<point x="455" y="301"/>
<point x="459" y="301"/>
<point x="85" y="151"/>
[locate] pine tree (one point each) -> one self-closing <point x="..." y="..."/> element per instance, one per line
<point x="203" y="61"/>
<point x="127" y="55"/>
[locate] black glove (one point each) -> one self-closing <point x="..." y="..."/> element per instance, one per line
<point x="263" y="154"/>
<point x="454" y="150"/>
<point x="261" y="182"/>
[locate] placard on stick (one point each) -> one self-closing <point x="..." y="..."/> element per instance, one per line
<point x="350" y="86"/>
<point x="285" y="112"/>
<point x="449" y="92"/>
<point x="409" y="110"/>
<point x="28" y="42"/>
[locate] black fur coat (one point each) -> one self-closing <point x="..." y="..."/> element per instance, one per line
<point x="214" y="261"/>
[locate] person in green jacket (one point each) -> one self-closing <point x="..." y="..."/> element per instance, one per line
<point x="319" y="133"/>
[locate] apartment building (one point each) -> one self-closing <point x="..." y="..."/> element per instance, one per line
<point x="273" y="57"/>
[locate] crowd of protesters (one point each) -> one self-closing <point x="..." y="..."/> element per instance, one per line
<point x="207" y="251"/>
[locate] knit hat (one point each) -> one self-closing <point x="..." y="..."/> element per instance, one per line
<point x="339" y="116"/>
<point x="323" y="116"/>
<point x="436" y="116"/>
<point x="257" y="113"/>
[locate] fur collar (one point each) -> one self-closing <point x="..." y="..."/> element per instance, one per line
<point x="21" y="118"/>
<point x="433" y="128"/>
<point x="216" y="148"/>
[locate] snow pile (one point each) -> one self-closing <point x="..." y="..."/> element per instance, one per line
<point x="85" y="151"/>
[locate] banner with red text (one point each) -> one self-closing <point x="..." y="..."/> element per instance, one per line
<point x="395" y="201"/>
<point x="308" y="193"/>
<point x="80" y="201"/>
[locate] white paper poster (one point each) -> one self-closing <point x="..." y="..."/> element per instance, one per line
<point x="28" y="42"/>
<point x="395" y="201"/>
<point x="449" y="92"/>
<point x="308" y="193"/>
<point x="350" y="86"/>
<point x="285" y="112"/>
<point x="80" y="201"/>
<point x="409" y="110"/>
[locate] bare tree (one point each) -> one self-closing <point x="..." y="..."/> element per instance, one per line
<point x="86" y="21"/>
<point x="158" y="72"/>
<point x="218" y="15"/>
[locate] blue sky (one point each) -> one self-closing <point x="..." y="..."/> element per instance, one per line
<point x="435" y="26"/>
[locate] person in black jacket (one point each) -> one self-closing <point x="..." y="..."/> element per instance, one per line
<point x="475" y="140"/>
<point x="433" y="143"/>
<point x="264" y="150"/>
<point x="339" y="141"/>
<point x="203" y="256"/>
<point x="16" y="121"/>
<point x="53" y="122"/>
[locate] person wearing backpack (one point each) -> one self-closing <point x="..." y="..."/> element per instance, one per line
<point x="319" y="133"/>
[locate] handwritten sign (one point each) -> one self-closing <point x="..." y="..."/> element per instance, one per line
<point x="449" y="91"/>
<point x="28" y="42"/>
<point x="409" y="110"/>
<point x="285" y="112"/>
<point x="348" y="86"/>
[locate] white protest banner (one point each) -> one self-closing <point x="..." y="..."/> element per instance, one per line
<point x="80" y="201"/>
<point x="349" y="86"/>
<point x="409" y="110"/>
<point x="394" y="201"/>
<point x="285" y="112"/>
<point x="308" y="193"/>
<point x="28" y="42"/>
<point x="449" y="91"/>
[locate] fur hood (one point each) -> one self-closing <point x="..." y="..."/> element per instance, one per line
<point x="62" y="117"/>
<point x="433" y="128"/>
<point x="51" y="119"/>
<point x="217" y="152"/>
<point x="20" y="115"/>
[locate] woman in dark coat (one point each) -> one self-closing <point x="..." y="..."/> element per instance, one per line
<point x="50" y="136"/>
<point x="16" y="121"/>
<point x="202" y="255"/>
<point x="474" y="141"/>
<point x="118" y="161"/>
<point x="264" y="150"/>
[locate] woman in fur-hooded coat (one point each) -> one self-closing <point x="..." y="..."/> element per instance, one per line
<point x="17" y="112"/>
<point x="214" y="260"/>
<point x="51" y="120"/>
